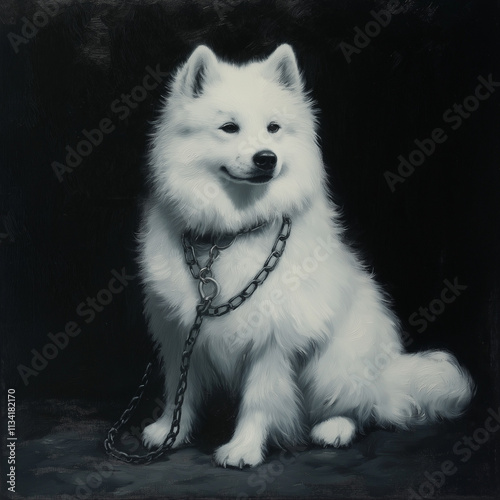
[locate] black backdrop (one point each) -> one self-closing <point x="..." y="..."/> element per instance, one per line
<point x="61" y="239"/>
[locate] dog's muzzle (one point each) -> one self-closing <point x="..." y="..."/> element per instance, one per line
<point x="263" y="170"/>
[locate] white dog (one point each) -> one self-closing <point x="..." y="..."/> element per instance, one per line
<point x="235" y="148"/>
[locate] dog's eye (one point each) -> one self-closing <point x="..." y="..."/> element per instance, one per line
<point x="230" y="128"/>
<point x="273" y="127"/>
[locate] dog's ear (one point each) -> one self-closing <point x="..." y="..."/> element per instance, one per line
<point x="282" y="66"/>
<point x="200" y="68"/>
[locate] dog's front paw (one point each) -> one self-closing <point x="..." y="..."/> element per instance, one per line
<point x="235" y="454"/>
<point x="155" y="434"/>
<point x="336" y="431"/>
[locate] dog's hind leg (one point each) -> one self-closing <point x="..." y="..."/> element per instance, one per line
<point x="338" y="381"/>
<point x="336" y="431"/>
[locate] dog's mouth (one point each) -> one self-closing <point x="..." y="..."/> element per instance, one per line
<point x="259" y="178"/>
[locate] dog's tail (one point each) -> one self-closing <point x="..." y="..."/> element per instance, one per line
<point x="420" y="388"/>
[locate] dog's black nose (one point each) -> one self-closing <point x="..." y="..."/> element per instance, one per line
<point x="265" y="160"/>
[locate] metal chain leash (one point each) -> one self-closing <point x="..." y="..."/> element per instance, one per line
<point x="109" y="443"/>
<point x="204" y="275"/>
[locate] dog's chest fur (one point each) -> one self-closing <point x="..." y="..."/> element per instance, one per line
<point x="293" y="307"/>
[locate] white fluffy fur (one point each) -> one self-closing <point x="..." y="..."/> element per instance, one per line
<point x="301" y="351"/>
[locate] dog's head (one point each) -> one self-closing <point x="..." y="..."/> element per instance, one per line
<point x="236" y="145"/>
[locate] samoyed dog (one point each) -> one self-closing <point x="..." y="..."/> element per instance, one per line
<point x="315" y="353"/>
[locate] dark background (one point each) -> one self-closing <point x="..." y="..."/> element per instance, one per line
<point x="60" y="240"/>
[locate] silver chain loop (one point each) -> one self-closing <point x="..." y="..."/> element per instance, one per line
<point x="272" y="261"/>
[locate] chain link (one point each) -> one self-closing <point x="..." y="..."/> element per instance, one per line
<point x="258" y="279"/>
<point x="204" y="275"/>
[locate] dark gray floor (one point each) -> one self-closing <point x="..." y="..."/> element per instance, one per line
<point x="60" y="455"/>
